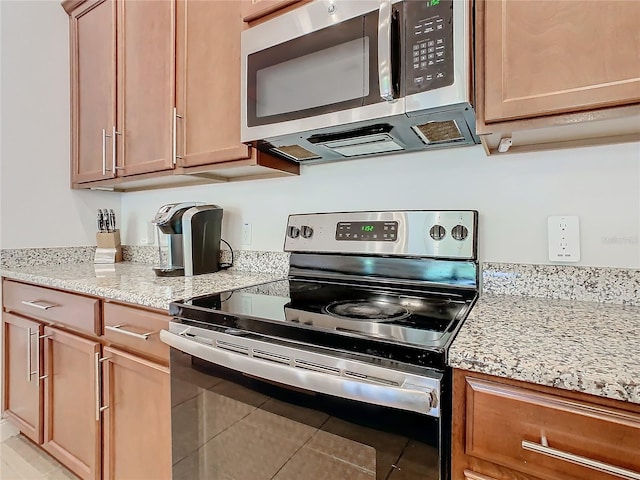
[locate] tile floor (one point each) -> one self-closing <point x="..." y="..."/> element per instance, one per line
<point x="20" y="459"/>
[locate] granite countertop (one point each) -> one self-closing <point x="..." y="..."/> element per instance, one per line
<point x="574" y="345"/>
<point x="132" y="282"/>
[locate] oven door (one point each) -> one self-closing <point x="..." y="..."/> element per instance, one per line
<point x="250" y="409"/>
<point x="323" y="64"/>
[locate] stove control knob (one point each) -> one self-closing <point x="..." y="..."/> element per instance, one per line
<point x="459" y="232"/>
<point x="293" y="232"/>
<point x="437" y="232"/>
<point x="306" y="231"/>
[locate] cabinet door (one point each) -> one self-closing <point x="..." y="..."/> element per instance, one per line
<point x="254" y="9"/>
<point x="93" y="90"/>
<point x="146" y="85"/>
<point x="137" y="420"/>
<point x="543" y="57"/>
<point x="71" y="418"/>
<point x="22" y="403"/>
<point x="208" y="83"/>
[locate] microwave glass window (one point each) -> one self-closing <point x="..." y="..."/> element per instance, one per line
<point x="324" y="77"/>
<point x="326" y="71"/>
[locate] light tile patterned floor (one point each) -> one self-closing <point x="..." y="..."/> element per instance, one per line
<point x="20" y="459"/>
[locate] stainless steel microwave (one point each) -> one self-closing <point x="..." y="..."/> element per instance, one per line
<point x="337" y="79"/>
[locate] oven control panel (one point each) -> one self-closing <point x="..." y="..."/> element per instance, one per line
<point x="450" y="234"/>
<point x="367" y="231"/>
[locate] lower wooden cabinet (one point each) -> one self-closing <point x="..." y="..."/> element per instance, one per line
<point x="22" y="386"/>
<point x="503" y="429"/>
<point x="71" y="412"/>
<point x="136" y="420"/>
<point x="100" y="404"/>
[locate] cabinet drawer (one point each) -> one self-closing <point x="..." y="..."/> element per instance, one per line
<point x="504" y="423"/>
<point x="59" y="308"/>
<point x="136" y="329"/>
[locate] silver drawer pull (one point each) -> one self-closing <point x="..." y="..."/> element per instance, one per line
<point x="544" y="449"/>
<point x="120" y="329"/>
<point x="39" y="304"/>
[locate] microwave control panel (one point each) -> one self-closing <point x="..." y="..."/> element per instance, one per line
<point x="428" y="45"/>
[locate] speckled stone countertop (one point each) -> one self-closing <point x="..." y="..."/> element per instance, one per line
<point x="133" y="283"/>
<point x="582" y="346"/>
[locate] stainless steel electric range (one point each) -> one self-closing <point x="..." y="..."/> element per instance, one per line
<point x="339" y="371"/>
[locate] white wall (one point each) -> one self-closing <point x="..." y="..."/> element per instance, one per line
<point x="514" y="195"/>
<point x="37" y="208"/>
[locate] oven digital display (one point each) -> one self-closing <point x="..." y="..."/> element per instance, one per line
<point x="367" y="231"/>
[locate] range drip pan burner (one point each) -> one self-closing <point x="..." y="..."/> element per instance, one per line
<point x="367" y="310"/>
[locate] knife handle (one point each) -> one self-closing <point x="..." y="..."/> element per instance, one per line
<point x="112" y="220"/>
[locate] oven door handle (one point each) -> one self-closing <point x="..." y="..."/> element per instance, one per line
<point x="409" y="397"/>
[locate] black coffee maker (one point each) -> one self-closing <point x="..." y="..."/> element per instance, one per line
<point x="194" y="231"/>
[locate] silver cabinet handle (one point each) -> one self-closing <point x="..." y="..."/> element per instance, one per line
<point x="36" y="371"/>
<point x="104" y="152"/>
<point x="544" y="449"/>
<point x="120" y="329"/>
<point x="175" y="135"/>
<point x="29" y="372"/>
<point x="40" y="377"/>
<point x="114" y="134"/>
<point x="99" y="408"/>
<point x="384" y="51"/>
<point x="97" y="374"/>
<point x="38" y="304"/>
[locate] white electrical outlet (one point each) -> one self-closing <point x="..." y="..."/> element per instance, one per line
<point x="564" y="238"/>
<point x="149" y="234"/>
<point x="246" y="234"/>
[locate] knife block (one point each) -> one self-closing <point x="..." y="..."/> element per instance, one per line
<point x="108" y="248"/>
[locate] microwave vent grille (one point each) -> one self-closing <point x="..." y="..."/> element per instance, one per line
<point x="296" y="152"/>
<point x="439" y="132"/>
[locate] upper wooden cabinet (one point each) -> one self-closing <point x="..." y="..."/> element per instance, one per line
<point x="146" y="86"/>
<point x="255" y="9"/>
<point x="548" y="63"/>
<point x="125" y="47"/>
<point x="175" y="65"/>
<point x="93" y="89"/>
<point x="208" y="83"/>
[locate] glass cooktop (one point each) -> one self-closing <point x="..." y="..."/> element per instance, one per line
<point x="419" y="318"/>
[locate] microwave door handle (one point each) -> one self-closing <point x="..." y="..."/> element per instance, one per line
<point x="384" y="51"/>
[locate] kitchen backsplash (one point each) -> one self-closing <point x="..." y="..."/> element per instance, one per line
<point x="244" y="260"/>
<point x="20" y="257"/>
<point x="596" y="284"/>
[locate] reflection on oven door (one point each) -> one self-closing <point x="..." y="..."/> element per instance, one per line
<point x="229" y="426"/>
